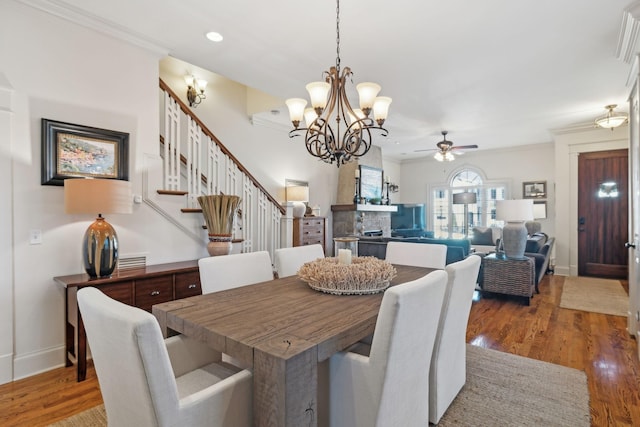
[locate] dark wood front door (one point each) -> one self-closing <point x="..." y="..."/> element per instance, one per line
<point x="603" y="214"/>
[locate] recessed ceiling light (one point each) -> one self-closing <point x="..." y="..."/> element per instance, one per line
<point x="214" y="37"/>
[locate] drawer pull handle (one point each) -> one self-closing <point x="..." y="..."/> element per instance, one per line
<point x="155" y="293"/>
<point x="192" y="286"/>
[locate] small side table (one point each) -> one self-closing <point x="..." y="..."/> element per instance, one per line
<point x="509" y="276"/>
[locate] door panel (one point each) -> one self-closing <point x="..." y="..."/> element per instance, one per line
<point x="633" y="325"/>
<point x="603" y="214"/>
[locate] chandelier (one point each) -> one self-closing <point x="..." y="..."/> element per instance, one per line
<point x="611" y="120"/>
<point x="351" y="135"/>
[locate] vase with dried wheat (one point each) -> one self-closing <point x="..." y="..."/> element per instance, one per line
<point x="219" y="213"/>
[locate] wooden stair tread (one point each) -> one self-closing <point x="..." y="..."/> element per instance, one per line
<point x="173" y="192"/>
<point x="191" y="210"/>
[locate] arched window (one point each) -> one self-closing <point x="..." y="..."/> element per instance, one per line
<point x="448" y="219"/>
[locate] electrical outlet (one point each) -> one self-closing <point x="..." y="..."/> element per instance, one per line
<point x="35" y="237"/>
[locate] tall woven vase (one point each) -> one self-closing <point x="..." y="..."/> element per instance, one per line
<point x="219" y="213"/>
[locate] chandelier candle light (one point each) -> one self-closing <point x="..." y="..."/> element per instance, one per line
<point x="330" y="103"/>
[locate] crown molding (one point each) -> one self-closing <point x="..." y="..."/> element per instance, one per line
<point x="629" y="31"/>
<point x="78" y="16"/>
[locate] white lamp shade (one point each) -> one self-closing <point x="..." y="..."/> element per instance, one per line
<point x="297" y="193"/>
<point x="381" y="108"/>
<point x="97" y="196"/>
<point x="309" y="116"/>
<point x="202" y="84"/>
<point x="318" y="92"/>
<point x="367" y="91"/>
<point x="514" y="210"/>
<point x="296" y="108"/>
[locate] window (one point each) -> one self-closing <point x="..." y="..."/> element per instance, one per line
<point x="448" y="220"/>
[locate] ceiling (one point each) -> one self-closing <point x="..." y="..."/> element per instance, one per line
<point x="494" y="73"/>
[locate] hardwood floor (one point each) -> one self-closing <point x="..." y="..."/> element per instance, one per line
<point x="595" y="343"/>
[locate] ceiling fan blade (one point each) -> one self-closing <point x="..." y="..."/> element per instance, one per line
<point x="463" y="147"/>
<point x="426" y="149"/>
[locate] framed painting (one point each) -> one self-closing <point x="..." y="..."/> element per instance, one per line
<point x="75" y="151"/>
<point x="534" y="190"/>
<point x="539" y="210"/>
<point x="370" y="183"/>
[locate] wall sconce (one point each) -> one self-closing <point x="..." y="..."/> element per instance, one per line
<point x="195" y="91"/>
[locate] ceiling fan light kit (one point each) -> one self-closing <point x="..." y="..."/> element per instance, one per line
<point x="445" y="148"/>
<point x="612" y="119"/>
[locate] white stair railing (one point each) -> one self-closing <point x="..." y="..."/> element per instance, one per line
<point x="194" y="160"/>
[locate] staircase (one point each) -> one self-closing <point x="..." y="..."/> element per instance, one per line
<point x="193" y="162"/>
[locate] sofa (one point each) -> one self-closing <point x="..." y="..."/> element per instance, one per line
<point x="457" y="249"/>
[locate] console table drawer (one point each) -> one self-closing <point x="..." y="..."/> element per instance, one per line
<point x="122" y="292"/>
<point x="140" y="287"/>
<point x="187" y="285"/>
<point x="153" y="291"/>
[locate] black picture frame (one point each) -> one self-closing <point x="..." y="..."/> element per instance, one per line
<point x="534" y="190"/>
<point x="77" y="151"/>
<point x="370" y="183"/>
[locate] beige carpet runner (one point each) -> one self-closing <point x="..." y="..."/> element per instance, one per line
<point x="501" y="390"/>
<point x="594" y="294"/>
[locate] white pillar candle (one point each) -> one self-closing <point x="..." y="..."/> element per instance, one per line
<point x="344" y="256"/>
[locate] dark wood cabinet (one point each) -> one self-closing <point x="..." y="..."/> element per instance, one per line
<point x="309" y="231"/>
<point x="140" y="287"/>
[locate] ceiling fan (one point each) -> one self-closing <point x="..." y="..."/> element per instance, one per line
<point x="445" y="148"/>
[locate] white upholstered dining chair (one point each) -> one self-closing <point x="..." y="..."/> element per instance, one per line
<point x="448" y="363"/>
<point x="390" y="385"/>
<point x="218" y="273"/>
<point x="417" y="254"/>
<point x="287" y="261"/>
<point x="148" y="381"/>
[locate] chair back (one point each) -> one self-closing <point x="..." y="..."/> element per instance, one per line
<point x="417" y="254"/>
<point x="218" y="273"/>
<point x="401" y="349"/>
<point x="131" y="361"/>
<point x="448" y="363"/>
<point x="288" y="261"/>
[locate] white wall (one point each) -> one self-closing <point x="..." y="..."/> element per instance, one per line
<point x="568" y="146"/>
<point x="511" y="165"/>
<point x="62" y="71"/>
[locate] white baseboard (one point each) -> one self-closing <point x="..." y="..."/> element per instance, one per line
<point x="562" y="271"/>
<point x="6" y="368"/>
<point x="35" y="363"/>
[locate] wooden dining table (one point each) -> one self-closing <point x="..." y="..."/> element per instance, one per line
<point x="282" y="329"/>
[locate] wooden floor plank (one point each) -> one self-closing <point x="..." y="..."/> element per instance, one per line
<point x="596" y="343"/>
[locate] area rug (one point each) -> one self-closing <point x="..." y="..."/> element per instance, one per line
<point x="596" y="295"/>
<point x="501" y="390"/>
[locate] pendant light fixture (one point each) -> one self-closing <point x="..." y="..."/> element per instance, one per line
<point x="350" y="137"/>
<point x="612" y="119"/>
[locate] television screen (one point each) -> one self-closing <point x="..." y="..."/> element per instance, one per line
<point x="408" y="216"/>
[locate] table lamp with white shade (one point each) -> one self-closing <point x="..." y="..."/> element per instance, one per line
<point x="298" y="194"/>
<point x="98" y="196"/>
<point x="514" y="233"/>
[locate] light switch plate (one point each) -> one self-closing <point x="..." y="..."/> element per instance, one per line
<point x="35" y="237"/>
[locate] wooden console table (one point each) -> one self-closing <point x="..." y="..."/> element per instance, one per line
<point x="139" y="287"/>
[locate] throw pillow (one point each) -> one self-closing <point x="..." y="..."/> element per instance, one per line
<point x="482" y="236"/>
